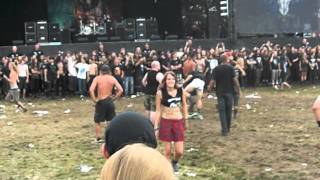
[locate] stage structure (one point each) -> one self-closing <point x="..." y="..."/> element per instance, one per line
<point x="83" y="21"/>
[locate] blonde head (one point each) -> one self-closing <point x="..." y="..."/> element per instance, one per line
<point x="13" y="66"/>
<point x="137" y="162"/>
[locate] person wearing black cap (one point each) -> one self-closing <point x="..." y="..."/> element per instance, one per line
<point x="105" y="109"/>
<point x="128" y="128"/>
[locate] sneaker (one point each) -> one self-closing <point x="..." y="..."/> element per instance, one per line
<point x="192" y="115"/>
<point x="175" y="167"/>
<point x="99" y="140"/>
<point x="200" y="116"/>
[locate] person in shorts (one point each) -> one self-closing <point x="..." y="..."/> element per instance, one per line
<point x="151" y="81"/>
<point x="171" y="117"/>
<point x="14" y="89"/>
<point x="194" y="85"/>
<point x="104" y="108"/>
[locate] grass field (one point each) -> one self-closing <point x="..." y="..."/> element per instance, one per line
<point x="277" y="138"/>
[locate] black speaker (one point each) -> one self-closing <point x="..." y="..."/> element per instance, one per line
<point x="152" y="28"/>
<point x="130" y="24"/>
<point x="141" y="28"/>
<point x="30" y="27"/>
<point x="120" y="30"/>
<point x="130" y="29"/>
<point x="42" y="38"/>
<point x="66" y="36"/>
<point x="54" y="28"/>
<point x="42" y="27"/>
<point x="30" y="38"/>
<point x="55" y="37"/>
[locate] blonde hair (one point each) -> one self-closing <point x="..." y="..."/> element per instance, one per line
<point x="14" y="66"/>
<point x="137" y="162"/>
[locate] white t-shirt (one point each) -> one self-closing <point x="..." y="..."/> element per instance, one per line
<point x="213" y="63"/>
<point x="82" y="70"/>
<point x="23" y="69"/>
<point x="71" y="69"/>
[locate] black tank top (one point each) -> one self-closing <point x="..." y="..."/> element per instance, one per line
<point x="152" y="83"/>
<point x="170" y="101"/>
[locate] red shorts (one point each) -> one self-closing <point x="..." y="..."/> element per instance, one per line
<point x="171" y="130"/>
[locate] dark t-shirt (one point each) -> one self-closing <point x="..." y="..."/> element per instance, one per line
<point x="275" y="63"/>
<point x="197" y="75"/>
<point x="170" y="101"/>
<point x="129" y="69"/>
<point x="223" y="76"/>
<point x="37" y="53"/>
<point x="176" y="63"/>
<point x="152" y="83"/>
<point x="13" y="55"/>
<point x="51" y="72"/>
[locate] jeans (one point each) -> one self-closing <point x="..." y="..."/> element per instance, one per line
<point x="275" y="76"/>
<point x="225" y="104"/>
<point x="82" y="87"/>
<point x="128" y="81"/>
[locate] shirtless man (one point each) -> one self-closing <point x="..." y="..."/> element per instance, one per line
<point x="105" y="109"/>
<point x="13" y="82"/>
<point x="93" y="71"/>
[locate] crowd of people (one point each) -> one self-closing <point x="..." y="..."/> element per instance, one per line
<point x="170" y="80"/>
<point x="72" y="73"/>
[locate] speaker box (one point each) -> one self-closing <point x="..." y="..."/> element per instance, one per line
<point x="42" y="38"/>
<point x="30" y="38"/>
<point x="66" y="36"/>
<point x="55" y="37"/>
<point x="54" y="28"/>
<point x="152" y="28"/>
<point x="42" y="27"/>
<point x="30" y="27"/>
<point x="130" y="23"/>
<point x="141" y="28"/>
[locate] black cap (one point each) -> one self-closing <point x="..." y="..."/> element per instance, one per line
<point x="128" y="128"/>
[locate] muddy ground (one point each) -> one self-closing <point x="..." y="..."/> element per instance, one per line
<point x="276" y="138"/>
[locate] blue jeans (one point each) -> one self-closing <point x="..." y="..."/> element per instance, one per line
<point x="82" y="87"/>
<point x="128" y="81"/>
<point x="225" y="104"/>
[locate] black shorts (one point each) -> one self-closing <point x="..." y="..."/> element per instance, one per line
<point x="22" y="82"/>
<point x="105" y="110"/>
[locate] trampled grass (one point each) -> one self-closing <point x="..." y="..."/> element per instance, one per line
<point x="276" y="138"/>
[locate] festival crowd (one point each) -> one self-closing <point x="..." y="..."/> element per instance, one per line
<point x="71" y="73"/>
